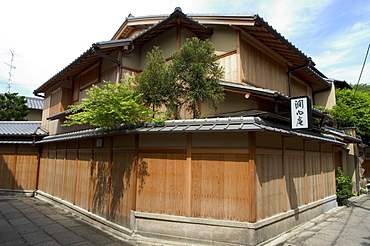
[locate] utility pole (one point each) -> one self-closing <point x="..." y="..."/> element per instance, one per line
<point x="9" y="81"/>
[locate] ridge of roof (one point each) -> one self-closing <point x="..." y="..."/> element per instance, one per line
<point x="177" y="12"/>
<point x="80" y="58"/>
<point x="22" y="128"/>
<point x="266" y="25"/>
<point x="32" y="102"/>
<point x="219" y="124"/>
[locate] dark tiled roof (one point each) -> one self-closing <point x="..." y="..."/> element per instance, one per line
<point x="342" y="135"/>
<point x="234" y="124"/>
<point x="35" y="103"/>
<point x="21" y="128"/>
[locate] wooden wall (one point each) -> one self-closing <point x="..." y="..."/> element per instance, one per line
<point x="194" y="175"/>
<point x="301" y="172"/>
<point x="261" y="70"/>
<point x="96" y="179"/>
<point x="18" y="167"/>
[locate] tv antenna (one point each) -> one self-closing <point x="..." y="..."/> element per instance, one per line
<point x="9" y="81"/>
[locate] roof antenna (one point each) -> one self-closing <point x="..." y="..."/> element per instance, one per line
<point x="9" y="87"/>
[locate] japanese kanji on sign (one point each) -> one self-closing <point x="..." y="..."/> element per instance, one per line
<point x="301" y="113"/>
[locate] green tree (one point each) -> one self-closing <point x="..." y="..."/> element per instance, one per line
<point x="196" y="74"/>
<point x="153" y="83"/>
<point x="362" y="88"/>
<point x="13" y="107"/>
<point x="110" y="105"/>
<point x="353" y="109"/>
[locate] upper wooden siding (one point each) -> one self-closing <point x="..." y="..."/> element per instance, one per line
<point x="260" y="70"/>
<point x="229" y="64"/>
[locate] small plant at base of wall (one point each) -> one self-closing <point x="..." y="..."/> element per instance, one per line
<point x="344" y="186"/>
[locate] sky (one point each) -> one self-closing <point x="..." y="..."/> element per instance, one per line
<point x="46" y="36"/>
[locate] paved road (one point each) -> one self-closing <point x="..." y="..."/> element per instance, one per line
<point x="30" y="221"/>
<point x="342" y="226"/>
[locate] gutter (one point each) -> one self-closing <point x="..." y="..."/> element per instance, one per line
<point x="37" y="94"/>
<point x="290" y="71"/>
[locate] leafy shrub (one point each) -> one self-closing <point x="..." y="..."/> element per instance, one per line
<point x="344" y="186"/>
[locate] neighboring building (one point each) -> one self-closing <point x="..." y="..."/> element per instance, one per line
<point x="19" y="155"/>
<point x="35" y="105"/>
<point x="238" y="176"/>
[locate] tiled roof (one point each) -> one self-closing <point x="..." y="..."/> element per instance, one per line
<point x="21" y="128"/>
<point x="35" y="103"/>
<point x="234" y="124"/>
<point x="342" y="135"/>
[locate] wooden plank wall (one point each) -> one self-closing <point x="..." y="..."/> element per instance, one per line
<point x="261" y="70"/>
<point x="90" y="177"/>
<point x="287" y="179"/>
<point x="235" y="183"/>
<point x="18" y="167"/>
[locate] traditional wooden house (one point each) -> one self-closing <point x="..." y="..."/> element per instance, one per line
<point x="240" y="175"/>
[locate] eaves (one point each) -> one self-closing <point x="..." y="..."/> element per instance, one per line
<point x="211" y="125"/>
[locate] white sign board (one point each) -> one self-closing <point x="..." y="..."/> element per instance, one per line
<point x="301" y="114"/>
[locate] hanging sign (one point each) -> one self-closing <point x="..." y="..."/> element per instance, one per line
<point x="301" y="113"/>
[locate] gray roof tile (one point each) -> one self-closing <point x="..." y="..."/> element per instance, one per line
<point x="35" y="103"/>
<point x="21" y="128"/>
<point x="197" y="125"/>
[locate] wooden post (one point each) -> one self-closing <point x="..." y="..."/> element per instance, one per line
<point x="38" y="166"/>
<point x="238" y="58"/>
<point x="135" y="173"/>
<point x="321" y="174"/>
<point x="89" y="206"/>
<point x="15" y="169"/>
<point x="305" y="190"/>
<point x="77" y="172"/>
<point x="252" y="176"/>
<point x="110" y="164"/>
<point x="283" y="180"/>
<point x="64" y="171"/>
<point x="188" y="176"/>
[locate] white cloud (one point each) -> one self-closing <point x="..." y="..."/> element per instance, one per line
<point x="49" y="35"/>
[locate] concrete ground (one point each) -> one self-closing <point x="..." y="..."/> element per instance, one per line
<point x="31" y="221"/>
<point x="341" y="226"/>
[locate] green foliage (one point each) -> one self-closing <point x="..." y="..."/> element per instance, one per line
<point x="110" y="105"/>
<point x="344" y="186"/>
<point x="196" y="74"/>
<point x="13" y="107"/>
<point x="362" y="88"/>
<point x="353" y="109"/>
<point x="191" y="78"/>
<point x="153" y="83"/>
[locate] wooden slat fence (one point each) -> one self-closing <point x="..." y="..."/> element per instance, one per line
<point x="226" y="183"/>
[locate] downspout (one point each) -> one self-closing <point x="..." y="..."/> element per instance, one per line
<point x="34" y="135"/>
<point x="308" y="64"/>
